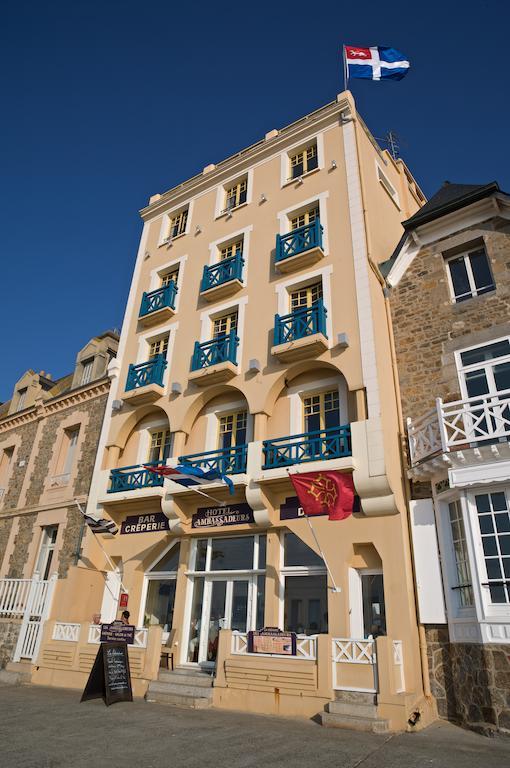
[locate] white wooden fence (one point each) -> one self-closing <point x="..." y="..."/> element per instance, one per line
<point x="30" y="601"/>
<point x="306" y="647"/>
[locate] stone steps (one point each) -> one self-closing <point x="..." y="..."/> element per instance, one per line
<point x="355" y="722"/>
<point x="183" y="688"/>
<point x="355" y="711"/>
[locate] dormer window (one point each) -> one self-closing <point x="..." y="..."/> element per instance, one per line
<point x="469" y="274"/>
<point x="236" y="194"/>
<point x="304" y="161"/>
<point x="22" y="395"/>
<point x="86" y="374"/>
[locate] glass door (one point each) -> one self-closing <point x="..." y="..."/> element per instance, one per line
<point x="485" y="373"/>
<point x="227" y="605"/>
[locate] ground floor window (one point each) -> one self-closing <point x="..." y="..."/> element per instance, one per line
<point x="374" y="610"/>
<point x="494" y="523"/>
<point x="46" y="550"/>
<point x="161" y="587"/>
<point x="305" y="588"/>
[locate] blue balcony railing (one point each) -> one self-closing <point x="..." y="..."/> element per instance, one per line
<point x="299" y="240"/>
<point x="331" y="443"/>
<point x="158" y="299"/>
<point x="146" y="373"/>
<point x="300" y="323"/>
<point x="219" y="350"/>
<point x="223" y="272"/>
<point x="227" y="461"/>
<point x="133" y="478"/>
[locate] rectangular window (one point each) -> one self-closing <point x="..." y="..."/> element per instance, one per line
<point x="72" y="441"/>
<point x="233" y="249"/>
<point x="494" y="521"/>
<point x="232" y="429"/>
<point x="158" y="347"/>
<point x="321" y="411"/>
<point x="236" y="194"/>
<point x="86" y="371"/>
<point x="388" y="186"/>
<point x="22" y="394"/>
<point x="470" y="275"/>
<point x="306" y="217"/>
<point x="160" y="447"/>
<point x="464" y="585"/>
<point x="47" y="548"/>
<point x="178" y="223"/>
<point x="224" y="324"/>
<point x="303" y="161"/>
<point x="5" y="463"/>
<point x="169" y="277"/>
<point x="374" y="610"/>
<point x="305" y="297"/>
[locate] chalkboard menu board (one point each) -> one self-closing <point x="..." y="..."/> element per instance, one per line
<point x="110" y="677"/>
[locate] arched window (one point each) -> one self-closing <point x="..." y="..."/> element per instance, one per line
<point x="160" y="599"/>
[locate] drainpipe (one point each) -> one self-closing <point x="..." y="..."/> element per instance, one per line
<point x="401" y="432"/>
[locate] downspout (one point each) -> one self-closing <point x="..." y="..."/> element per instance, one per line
<point x="401" y="432"/>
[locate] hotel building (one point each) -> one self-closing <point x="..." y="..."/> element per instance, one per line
<point x="257" y="341"/>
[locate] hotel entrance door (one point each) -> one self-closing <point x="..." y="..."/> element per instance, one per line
<point x="226" y="606"/>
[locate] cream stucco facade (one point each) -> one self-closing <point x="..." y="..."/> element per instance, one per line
<point x="201" y="373"/>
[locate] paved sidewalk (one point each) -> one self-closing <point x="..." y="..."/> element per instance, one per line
<point x="49" y="728"/>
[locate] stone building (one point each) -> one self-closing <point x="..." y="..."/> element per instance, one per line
<point x="49" y="432"/>
<point x="256" y="342"/>
<point x="450" y="300"/>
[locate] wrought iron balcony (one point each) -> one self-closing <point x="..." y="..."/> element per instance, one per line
<point x="133" y="478"/>
<point x="143" y="374"/>
<point x="158" y="299"/>
<point x="222" y="349"/>
<point x="331" y="443"/>
<point x="223" y="272"/>
<point x="298" y="241"/>
<point x="305" y="321"/>
<point x="227" y="461"/>
<point x="459" y="425"/>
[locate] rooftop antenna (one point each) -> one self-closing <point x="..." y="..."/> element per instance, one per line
<point x="391" y="139"/>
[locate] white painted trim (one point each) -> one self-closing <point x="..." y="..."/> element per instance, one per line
<point x="385" y="182"/>
<point x="284" y="217"/>
<point x="355" y="604"/>
<point x="296" y="394"/>
<point x="296" y="147"/>
<point x="219" y="211"/>
<point x="145" y="338"/>
<point x="157" y="272"/>
<point x="208" y="315"/>
<point x="145" y="434"/>
<point x="167" y="216"/>
<point x="212" y="426"/>
<point x="361" y="271"/>
<point x="283" y="289"/>
<point x="215" y="246"/>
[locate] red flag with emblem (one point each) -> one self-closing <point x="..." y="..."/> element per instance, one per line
<point x="320" y="492"/>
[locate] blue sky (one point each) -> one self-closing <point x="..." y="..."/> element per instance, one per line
<point x="105" y="103"/>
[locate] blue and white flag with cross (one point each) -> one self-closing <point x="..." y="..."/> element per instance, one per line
<point x="376" y="63"/>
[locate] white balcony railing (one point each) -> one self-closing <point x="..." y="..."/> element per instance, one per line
<point x="140" y="640"/>
<point x="66" y="631"/>
<point x="460" y="424"/>
<point x="306" y="647"/>
<point x="348" y="650"/>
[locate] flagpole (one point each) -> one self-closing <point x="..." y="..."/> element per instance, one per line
<point x="346" y="71"/>
<point x="108" y="559"/>
<point x="202" y="493"/>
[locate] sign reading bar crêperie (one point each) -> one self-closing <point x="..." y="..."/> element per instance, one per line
<point x="217" y="517"/>
<point x="272" y="640"/>
<point x="145" y="523"/>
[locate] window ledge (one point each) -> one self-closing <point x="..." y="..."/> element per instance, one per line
<point x="395" y="202"/>
<point x="304" y="176"/>
<point x="165" y="242"/>
<point x="465" y="303"/>
<point x="224" y="214"/>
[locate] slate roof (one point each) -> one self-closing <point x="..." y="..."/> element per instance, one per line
<point x="449" y="198"/>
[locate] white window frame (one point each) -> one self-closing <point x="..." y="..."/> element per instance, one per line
<point x="296" y="394"/>
<point x="145" y="339"/>
<point x="87" y="370"/>
<point x="73" y="435"/>
<point x="45" y="548"/>
<point x="157" y="273"/>
<point x="285" y="216"/>
<point x="221" y="190"/>
<point x="285" y="571"/>
<point x="284" y="288"/>
<point x="207" y="317"/>
<point x="212" y="415"/>
<point x="356" y="618"/>
<point x="155" y="576"/>
<point x="285" y="156"/>
<point x="22" y="396"/>
<point x="487" y="365"/>
<point x="166" y="218"/>
<point x="474" y="290"/>
<point x="216" y="245"/>
<point x="386" y="184"/>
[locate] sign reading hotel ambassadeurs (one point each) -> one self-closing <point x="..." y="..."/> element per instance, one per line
<point x="145" y="523"/>
<point x="217" y="517"/>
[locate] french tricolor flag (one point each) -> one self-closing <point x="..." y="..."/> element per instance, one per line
<point x="376" y="63"/>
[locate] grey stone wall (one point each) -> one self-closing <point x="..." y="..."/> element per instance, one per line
<point x="9" y="631"/>
<point x="470" y="682"/>
<point x="27" y="432"/>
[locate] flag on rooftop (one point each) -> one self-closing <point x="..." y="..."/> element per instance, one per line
<point x="190" y="476"/>
<point x="320" y="492"/>
<point x="376" y="63"/>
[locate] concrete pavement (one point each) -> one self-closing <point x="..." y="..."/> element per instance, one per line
<point x="49" y="728"/>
